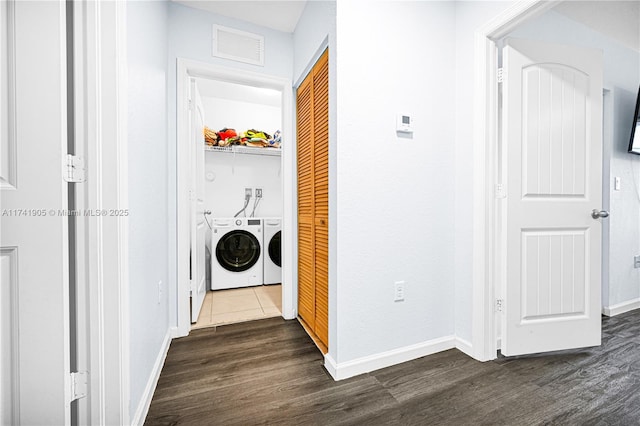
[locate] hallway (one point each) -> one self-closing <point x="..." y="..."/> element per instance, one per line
<point x="270" y="372"/>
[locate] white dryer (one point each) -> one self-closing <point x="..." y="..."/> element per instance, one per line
<point x="236" y="253"/>
<point x="273" y="251"/>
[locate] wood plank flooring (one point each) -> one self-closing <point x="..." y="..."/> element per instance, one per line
<point x="270" y="372"/>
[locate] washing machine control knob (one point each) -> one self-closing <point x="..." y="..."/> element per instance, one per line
<point x="238" y="222"/>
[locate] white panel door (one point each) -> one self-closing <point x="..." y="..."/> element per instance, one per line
<point x="553" y="138"/>
<point x="34" y="295"/>
<point x="198" y="224"/>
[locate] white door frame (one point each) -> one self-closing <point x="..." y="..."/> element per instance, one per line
<point x="102" y="241"/>
<point x="189" y="68"/>
<point x="485" y="124"/>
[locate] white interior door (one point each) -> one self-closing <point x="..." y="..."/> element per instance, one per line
<point x="553" y="139"/>
<point x="34" y="266"/>
<point x="198" y="224"/>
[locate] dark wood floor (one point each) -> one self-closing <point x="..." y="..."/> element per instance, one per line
<point x="269" y="372"/>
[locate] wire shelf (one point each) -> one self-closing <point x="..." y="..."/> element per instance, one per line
<point x="239" y="149"/>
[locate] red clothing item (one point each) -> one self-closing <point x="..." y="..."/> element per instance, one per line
<point x="227" y="133"/>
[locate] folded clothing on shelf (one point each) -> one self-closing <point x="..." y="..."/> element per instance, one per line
<point x="210" y="137"/>
<point x="252" y="138"/>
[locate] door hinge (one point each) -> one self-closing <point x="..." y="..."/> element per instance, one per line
<point x="500" y="192"/>
<point x="73" y="169"/>
<point x="79" y="384"/>
<point x="499" y="305"/>
<point x="500" y="75"/>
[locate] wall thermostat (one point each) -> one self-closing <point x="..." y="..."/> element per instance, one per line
<point x="404" y="123"/>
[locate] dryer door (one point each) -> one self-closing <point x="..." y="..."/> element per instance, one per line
<point x="275" y="253"/>
<point x="238" y="250"/>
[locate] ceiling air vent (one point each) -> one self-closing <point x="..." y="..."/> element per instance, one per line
<point x="241" y="46"/>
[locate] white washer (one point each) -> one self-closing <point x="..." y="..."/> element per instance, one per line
<point x="236" y="253"/>
<point x="272" y="251"/>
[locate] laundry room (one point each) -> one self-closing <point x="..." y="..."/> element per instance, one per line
<point x="250" y="92"/>
<point x="242" y="201"/>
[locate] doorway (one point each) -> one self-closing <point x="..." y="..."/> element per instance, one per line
<point x="492" y="186"/>
<point x="241" y="183"/>
<point x="192" y="69"/>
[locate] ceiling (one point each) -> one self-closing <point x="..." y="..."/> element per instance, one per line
<point x="278" y="15"/>
<point x="619" y="20"/>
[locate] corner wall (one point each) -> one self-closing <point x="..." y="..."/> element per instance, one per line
<point x="148" y="221"/>
<point x="314" y="26"/>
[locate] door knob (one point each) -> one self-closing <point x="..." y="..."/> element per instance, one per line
<point x="597" y="214"/>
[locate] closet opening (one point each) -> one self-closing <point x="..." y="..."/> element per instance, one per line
<point x="235" y="197"/>
<point x="242" y="203"/>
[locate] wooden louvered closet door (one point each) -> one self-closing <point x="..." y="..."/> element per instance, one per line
<point x="313" y="201"/>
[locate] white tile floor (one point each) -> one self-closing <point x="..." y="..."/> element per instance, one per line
<point x="240" y="304"/>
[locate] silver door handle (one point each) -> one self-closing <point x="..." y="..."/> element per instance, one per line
<point x="597" y="214"/>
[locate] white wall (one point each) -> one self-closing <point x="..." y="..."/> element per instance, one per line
<point x="621" y="78"/>
<point x="241" y="115"/>
<point x="148" y="222"/>
<point x="313" y="29"/>
<point x="624" y="222"/>
<point x="239" y="106"/>
<point x="394" y="195"/>
<point x="232" y="174"/>
<point x="190" y="33"/>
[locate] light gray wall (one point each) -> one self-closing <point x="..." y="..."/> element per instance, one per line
<point x="624" y="223"/>
<point x="148" y="221"/>
<point x="190" y="35"/>
<point x="312" y="30"/>
<point x="621" y="281"/>
<point x="394" y="195"/>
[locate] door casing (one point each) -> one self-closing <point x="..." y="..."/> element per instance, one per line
<point x="103" y="266"/>
<point x="189" y="68"/>
<point x="485" y="142"/>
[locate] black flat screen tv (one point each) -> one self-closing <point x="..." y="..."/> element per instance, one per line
<point x="634" y="142"/>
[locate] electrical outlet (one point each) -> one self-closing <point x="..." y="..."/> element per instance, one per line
<point x="398" y="295"/>
<point x="247" y="193"/>
<point x="636" y="261"/>
<point x="258" y="192"/>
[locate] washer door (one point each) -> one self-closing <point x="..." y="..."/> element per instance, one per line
<point x="238" y="250"/>
<point x="274" y="249"/>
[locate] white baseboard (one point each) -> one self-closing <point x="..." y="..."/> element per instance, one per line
<point x="344" y="370"/>
<point x="145" y="402"/>
<point x="621" y="308"/>
<point x="290" y="315"/>
<point x="174" y="332"/>
<point x="464" y="346"/>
